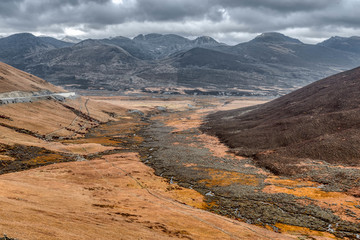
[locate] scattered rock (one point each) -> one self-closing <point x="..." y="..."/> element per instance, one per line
<point x="135" y="111"/>
<point x="210" y="194"/>
<point x="161" y="109"/>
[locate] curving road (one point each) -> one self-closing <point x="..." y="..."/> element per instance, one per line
<point x="58" y="96"/>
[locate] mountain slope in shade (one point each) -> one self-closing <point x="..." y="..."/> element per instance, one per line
<point x="55" y="42"/>
<point x="205" y="40"/>
<point x="270" y="64"/>
<point x="12" y="79"/>
<point x="275" y="37"/>
<point x="161" y="46"/>
<point x="214" y="71"/>
<point x="351" y="44"/>
<point x="70" y="39"/>
<point x="157" y="46"/>
<point x="15" y="48"/>
<point x="88" y="64"/>
<point x="271" y="61"/>
<point x="201" y="57"/>
<point x="131" y="46"/>
<point x="320" y="122"/>
<point x="276" y="48"/>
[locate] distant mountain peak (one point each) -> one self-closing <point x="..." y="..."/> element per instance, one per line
<point x="338" y="38"/>
<point x="152" y="36"/>
<point x="119" y="38"/>
<point x="355" y="37"/>
<point x="139" y="37"/>
<point x="275" y="37"/>
<point x="88" y="42"/>
<point x="205" y="40"/>
<point x="142" y="37"/>
<point x="71" y="39"/>
<point x="348" y="44"/>
<point x="23" y="36"/>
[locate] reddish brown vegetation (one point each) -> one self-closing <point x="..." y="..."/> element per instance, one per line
<point x="320" y="121"/>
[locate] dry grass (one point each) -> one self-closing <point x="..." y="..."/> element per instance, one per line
<point x="319" y="122"/>
<point x="12" y="79"/>
<point x="97" y="200"/>
<point x="227" y="178"/>
<point x="304" y="231"/>
<point x="107" y="197"/>
<point x="339" y="203"/>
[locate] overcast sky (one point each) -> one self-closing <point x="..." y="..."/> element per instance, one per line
<point x="229" y="21"/>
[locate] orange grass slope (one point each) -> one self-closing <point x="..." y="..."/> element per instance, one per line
<point x="114" y="197"/>
<point x="12" y="79"/>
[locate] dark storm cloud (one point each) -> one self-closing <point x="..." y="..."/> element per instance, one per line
<point x="278" y="5"/>
<point x="8" y="7"/>
<point x="169" y="10"/>
<point x="225" y="19"/>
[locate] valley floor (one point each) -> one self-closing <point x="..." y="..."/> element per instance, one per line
<point x="138" y="167"/>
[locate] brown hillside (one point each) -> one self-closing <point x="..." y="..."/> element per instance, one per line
<point x="320" y="122"/>
<point x="106" y="191"/>
<point x="12" y="79"/>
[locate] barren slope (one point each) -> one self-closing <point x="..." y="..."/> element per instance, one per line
<point x="115" y="197"/>
<point x="320" y="122"/>
<point x="110" y="197"/>
<point x="12" y="79"/>
<point x="100" y="187"/>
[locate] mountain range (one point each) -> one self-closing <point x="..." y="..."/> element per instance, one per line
<point x="270" y="64"/>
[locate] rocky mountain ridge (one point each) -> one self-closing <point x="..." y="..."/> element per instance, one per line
<point x="270" y="64"/>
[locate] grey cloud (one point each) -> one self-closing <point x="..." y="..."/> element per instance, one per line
<point x="279" y="5"/>
<point x="161" y="10"/>
<point x="9" y="7"/>
<point x="215" y="14"/>
<point x="223" y="18"/>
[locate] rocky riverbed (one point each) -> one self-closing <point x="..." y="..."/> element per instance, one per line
<point x="235" y="187"/>
<point x="109" y="178"/>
